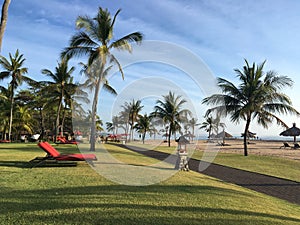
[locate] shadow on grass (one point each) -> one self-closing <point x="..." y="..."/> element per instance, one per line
<point x="117" y="204"/>
<point x="22" y="164"/>
<point x="17" y="164"/>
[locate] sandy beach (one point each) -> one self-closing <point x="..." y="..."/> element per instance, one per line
<point x="257" y="147"/>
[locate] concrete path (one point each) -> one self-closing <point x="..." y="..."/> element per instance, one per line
<point x="277" y="187"/>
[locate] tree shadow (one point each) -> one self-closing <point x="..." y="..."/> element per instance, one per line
<point x="98" y="204"/>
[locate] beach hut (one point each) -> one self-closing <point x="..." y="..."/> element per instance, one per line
<point x="292" y="132"/>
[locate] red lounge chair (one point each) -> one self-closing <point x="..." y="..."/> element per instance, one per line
<point x="62" y="140"/>
<point x="55" y="156"/>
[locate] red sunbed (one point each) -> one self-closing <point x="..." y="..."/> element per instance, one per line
<point x="62" y="140"/>
<point x="53" y="154"/>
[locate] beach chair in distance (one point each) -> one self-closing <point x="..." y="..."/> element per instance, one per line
<point x="296" y="146"/>
<point x="62" y="140"/>
<point x="54" y="156"/>
<point x="285" y="145"/>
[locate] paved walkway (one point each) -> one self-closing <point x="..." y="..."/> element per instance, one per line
<point x="277" y="187"/>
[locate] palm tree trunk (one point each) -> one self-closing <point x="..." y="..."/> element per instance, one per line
<point x="143" y="137"/>
<point x="3" y="19"/>
<point x="42" y="123"/>
<point x="57" y="118"/>
<point x="94" y="114"/>
<point x="10" y="118"/>
<point x="245" y="136"/>
<point x="11" y="111"/>
<point x="169" y="136"/>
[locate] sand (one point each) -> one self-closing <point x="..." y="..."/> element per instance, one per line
<point x="257" y="147"/>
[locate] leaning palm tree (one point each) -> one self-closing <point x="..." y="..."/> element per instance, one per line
<point x="257" y="96"/>
<point x="171" y="112"/>
<point x="61" y="78"/>
<point x="13" y="68"/>
<point x="3" y="21"/>
<point x="95" y="40"/>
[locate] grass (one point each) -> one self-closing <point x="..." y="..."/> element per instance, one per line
<point x="79" y="195"/>
<point x="270" y="165"/>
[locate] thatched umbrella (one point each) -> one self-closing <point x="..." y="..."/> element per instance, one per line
<point x="293" y="132"/>
<point x="224" y="134"/>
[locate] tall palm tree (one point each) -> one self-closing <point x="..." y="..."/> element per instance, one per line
<point x="3" y="21"/>
<point x="95" y="40"/>
<point x="144" y="125"/>
<point x="61" y="78"/>
<point x="134" y="108"/>
<point x="257" y="96"/>
<point x="4" y="112"/>
<point x="192" y="123"/>
<point x="171" y="112"/>
<point x="13" y="68"/>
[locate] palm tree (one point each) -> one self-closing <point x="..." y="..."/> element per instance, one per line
<point x="23" y="120"/>
<point x="114" y="125"/>
<point x="257" y="96"/>
<point x="13" y="68"/>
<point x="61" y="78"/>
<point x="209" y="125"/>
<point x="170" y="111"/>
<point x="144" y="125"/>
<point x="95" y="40"/>
<point x="3" y="21"/>
<point x="134" y="108"/>
<point x="4" y="113"/>
<point x="192" y="123"/>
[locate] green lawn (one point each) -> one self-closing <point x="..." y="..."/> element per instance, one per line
<point x="79" y="195"/>
<point x="270" y="165"/>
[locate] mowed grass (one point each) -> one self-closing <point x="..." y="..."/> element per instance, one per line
<point x="79" y="195"/>
<point x="270" y="165"/>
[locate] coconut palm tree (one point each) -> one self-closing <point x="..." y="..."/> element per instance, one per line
<point x="192" y="123"/>
<point x="24" y="121"/>
<point x="13" y="68"/>
<point x="3" y="21"/>
<point x="135" y="108"/>
<point x="209" y="125"/>
<point x="257" y="96"/>
<point x="171" y="112"/>
<point x="114" y="125"/>
<point x="61" y="78"/>
<point x="96" y="40"/>
<point x="4" y="112"/>
<point x="143" y="125"/>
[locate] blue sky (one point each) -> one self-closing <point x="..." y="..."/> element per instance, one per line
<point x="220" y="33"/>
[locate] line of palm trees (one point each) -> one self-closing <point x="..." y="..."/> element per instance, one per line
<point x="169" y="114"/>
<point x="258" y="94"/>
